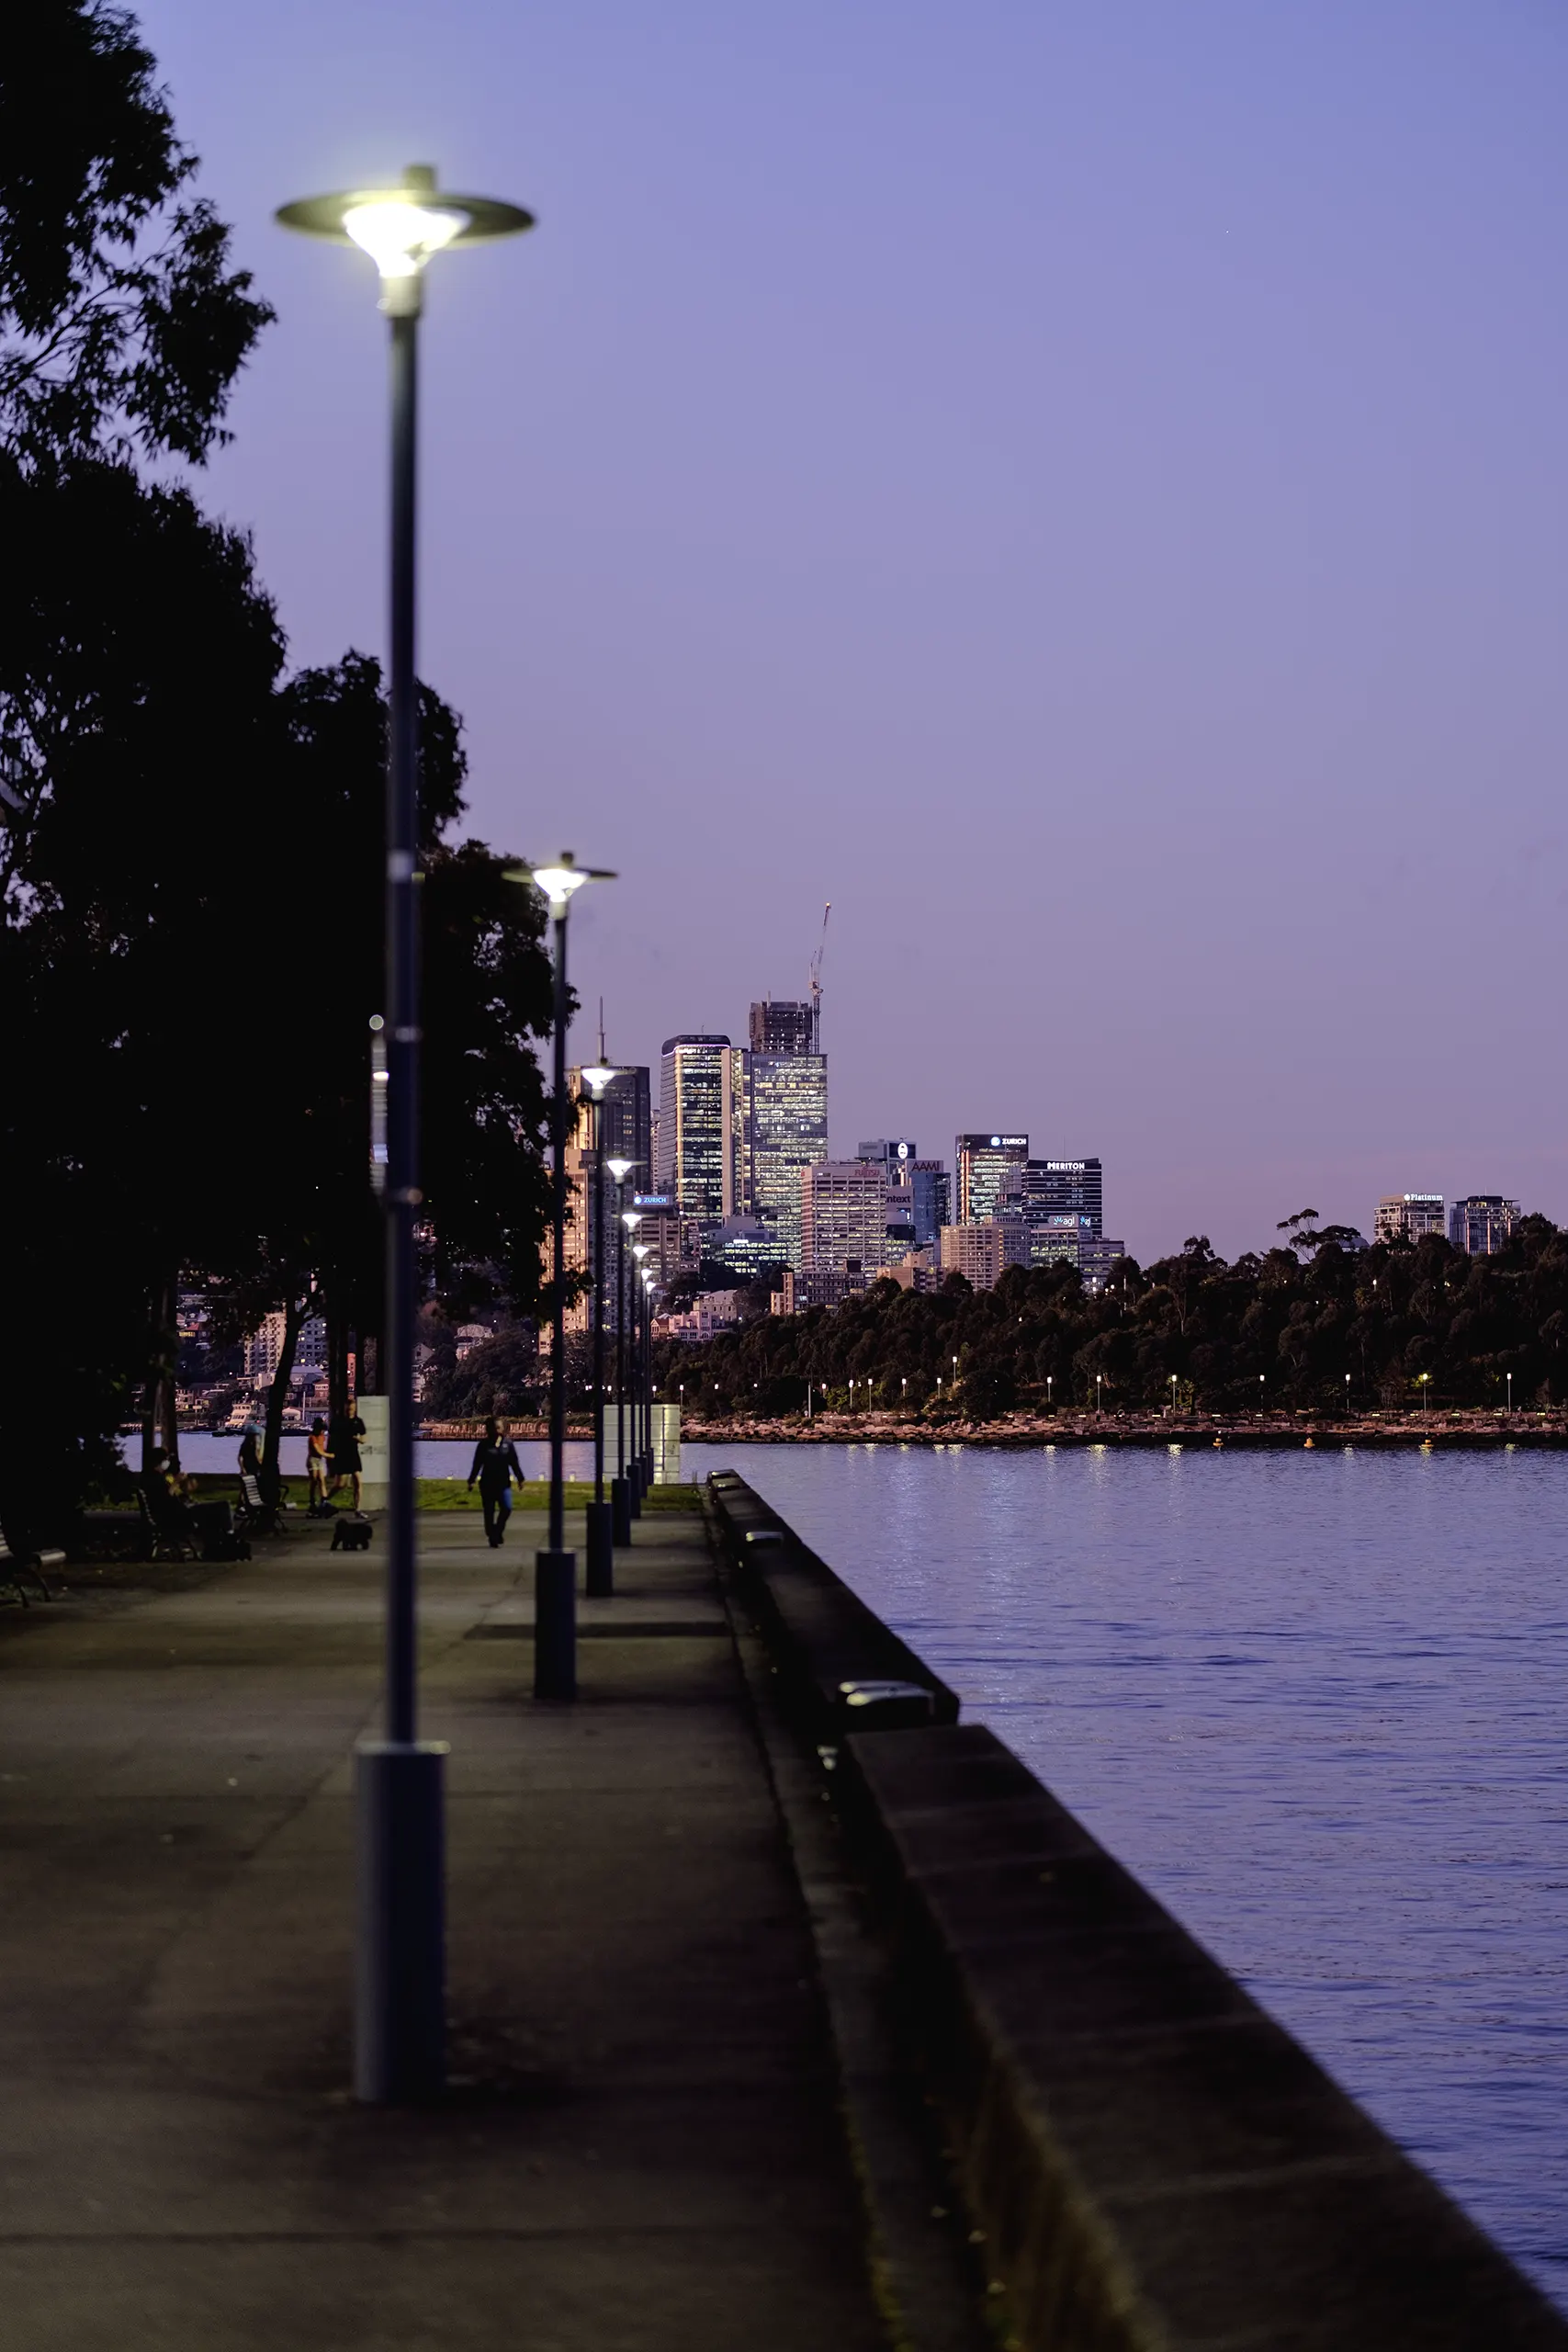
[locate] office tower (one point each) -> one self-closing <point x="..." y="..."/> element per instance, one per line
<point x="1406" y="1217"/>
<point x="626" y="1121"/>
<point x="782" y="1028"/>
<point x="1058" y="1239"/>
<point x="896" y="1157"/>
<point x="671" y="1238"/>
<point x="990" y="1170"/>
<point x="932" y="1189"/>
<point x="785" y="1133"/>
<point x="982" y="1251"/>
<point x="1063" y="1188"/>
<point x="700" y="1135"/>
<point x="1481" y="1223"/>
<point x="843" y="1219"/>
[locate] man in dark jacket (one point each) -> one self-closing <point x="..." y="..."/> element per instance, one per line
<point x="495" y="1465"/>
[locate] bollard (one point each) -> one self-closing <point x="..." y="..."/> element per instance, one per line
<point x="555" y="1625"/>
<point x="634" y="1487"/>
<point x="599" y="1547"/>
<point x="400" y="2038"/>
<point x="620" y="1511"/>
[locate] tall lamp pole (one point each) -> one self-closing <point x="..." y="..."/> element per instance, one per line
<point x="625" y="1424"/>
<point x="639" y="1326"/>
<point x="601" y="1571"/>
<point x="555" y="1568"/>
<point x="400" y="2010"/>
<point x="620" y="1506"/>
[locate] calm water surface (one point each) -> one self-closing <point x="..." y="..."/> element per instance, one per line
<point x="1314" y="1701"/>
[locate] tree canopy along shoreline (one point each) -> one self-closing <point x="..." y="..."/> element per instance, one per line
<point x="1310" y="1327"/>
<point x="192" y="839"/>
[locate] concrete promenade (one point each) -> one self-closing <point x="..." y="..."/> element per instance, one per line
<point x="645" y="2148"/>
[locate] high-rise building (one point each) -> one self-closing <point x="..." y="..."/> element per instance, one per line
<point x="843" y="1218"/>
<point x="1406" y="1217"/>
<point x="778" y="1027"/>
<point x="1481" y="1223"/>
<point x="626" y="1121"/>
<point x="787" y="1133"/>
<point x="989" y="1170"/>
<point x="671" y="1238"/>
<point x="1053" y="1188"/>
<point x="896" y="1157"/>
<point x="1059" y="1240"/>
<point x="932" y="1187"/>
<point x="700" y="1128"/>
<point x="982" y="1249"/>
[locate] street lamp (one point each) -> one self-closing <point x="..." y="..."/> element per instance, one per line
<point x="1511" y="1381"/>
<point x="1173" y="1392"/>
<point x="599" y="1535"/>
<point x="620" y="1506"/>
<point x="399" y="2003"/>
<point x="1426" y="1401"/>
<point x="640" y="1279"/>
<point x="1346" y="1396"/>
<point x="555" y="1568"/>
<point x="1100" y="1394"/>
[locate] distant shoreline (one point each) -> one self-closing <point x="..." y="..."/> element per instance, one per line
<point x="1281" y="1432"/>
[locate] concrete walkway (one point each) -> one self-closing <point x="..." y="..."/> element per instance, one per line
<point x="644" y="2151"/>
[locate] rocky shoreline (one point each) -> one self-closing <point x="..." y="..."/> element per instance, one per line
<point x="1281" y="1430"/>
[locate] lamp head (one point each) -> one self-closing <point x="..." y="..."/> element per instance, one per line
<point x="400" y="227"/>
<point x="561" y="882"/>
<point x="596" y="1077"/>
<point x="639" y="1251"/>
<point x="631" y="1219"/>
<point x="620" y="1170"/>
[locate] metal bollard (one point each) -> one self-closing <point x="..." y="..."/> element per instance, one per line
<point x="620" y="1511"/>
<point x="399" y="2046"/>
<point x="599" y="1547"/>
<point x="555" y="1625"/>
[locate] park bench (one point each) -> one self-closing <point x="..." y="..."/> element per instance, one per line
<point x="168" y="1530"/>
<point x="255" y="1515"/>
<point x="13" y="1572"/>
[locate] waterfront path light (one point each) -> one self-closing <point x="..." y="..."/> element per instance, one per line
<point x="620" y="1500"/>
<point x="599" y="1578"/>
<point x="555" y="1568"/>
<point x="399" y="2004"/>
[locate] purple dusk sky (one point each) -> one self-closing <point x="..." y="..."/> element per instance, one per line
<point x="1081" y="487"/>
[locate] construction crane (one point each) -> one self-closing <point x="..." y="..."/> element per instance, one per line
<point x="817" y="983"/>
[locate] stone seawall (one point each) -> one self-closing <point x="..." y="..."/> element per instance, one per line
<point x="1156" y="2166"/>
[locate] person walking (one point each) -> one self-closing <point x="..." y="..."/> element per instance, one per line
<point x="342" y="1450"/>
<point x="495" y="1465"/>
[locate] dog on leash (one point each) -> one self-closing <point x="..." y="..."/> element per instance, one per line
<point x="351" y="1532"/>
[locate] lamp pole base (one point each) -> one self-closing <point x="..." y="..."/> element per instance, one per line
<point x="620" y="1512"/>
<point x="600" y="1548"/>
<point x="554" y="1624"/>
<point x="634" y="1486"/>
<point x="400" y="2020"/>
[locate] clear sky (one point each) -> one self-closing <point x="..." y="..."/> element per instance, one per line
<point x="1080" y="487"/>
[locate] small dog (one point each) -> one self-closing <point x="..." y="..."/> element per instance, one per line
<point x="352" y="1532"/>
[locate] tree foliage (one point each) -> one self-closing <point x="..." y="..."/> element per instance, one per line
<point x="122" y="325"/>
<point x="1283" y="1329"/>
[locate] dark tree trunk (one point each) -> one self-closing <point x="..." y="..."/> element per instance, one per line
<point x="294" y="1313"/>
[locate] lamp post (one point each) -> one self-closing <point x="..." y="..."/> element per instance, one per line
<point x="1510" y="1380"/>
<point x="1173" y="1393"/>
<point x="625" y="1434"/>
<point x="639" y="1377"/>
<point x="1426" y="1381"/>
<point x="1346" y="1396"/>
<point x="598" y="1535"/>
<point x="649" y="1287"/>
<point x="620" y="1508"/>
<point x="399" y="2000"/>
<point x="555" y="1568"/>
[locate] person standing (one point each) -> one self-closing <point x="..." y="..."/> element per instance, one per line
<point x="316" y="1468"/>
<point x="495" y="1465"/>
<point x="342" y="1450"/>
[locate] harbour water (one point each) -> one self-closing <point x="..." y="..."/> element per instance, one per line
<point x="1315" y="1701"/>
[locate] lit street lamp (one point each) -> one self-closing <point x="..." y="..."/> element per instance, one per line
<point x="637" y="1481"/>
<point x="555" y="1568"/>
<point x="1510" y="1380"/>
<point x="399" y="2006"/>
<point x="599" y="1539"/>
<point x="620" y="1504"/>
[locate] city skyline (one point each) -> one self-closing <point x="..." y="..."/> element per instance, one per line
<point x="1133" y="583"/>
